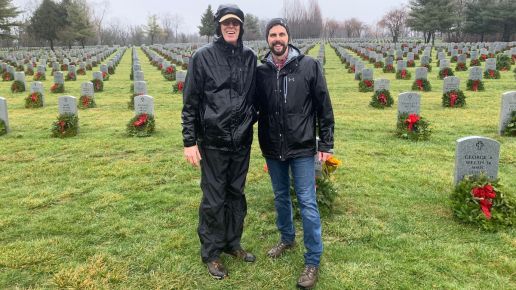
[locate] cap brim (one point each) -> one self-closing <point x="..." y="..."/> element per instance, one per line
<point x="228" y="16"/>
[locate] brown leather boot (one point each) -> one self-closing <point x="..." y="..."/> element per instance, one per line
<point x="242" y="255"/>
<point x="308" y="277"/>
<point x="217" y="269"/>
<point x="279" y="249"/>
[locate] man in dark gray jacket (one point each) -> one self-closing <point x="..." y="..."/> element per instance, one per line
<point x="294" y="105"/>
<point x="218" y="119"/>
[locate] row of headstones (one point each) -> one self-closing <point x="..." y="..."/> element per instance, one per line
<point x="68" y="106"/>
<point x="475" y="74"/>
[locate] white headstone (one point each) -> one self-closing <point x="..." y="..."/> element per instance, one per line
<point x="421" y="73"/>
<point x="508" y="106"/>
<point x="138" y="76"/>
<point x="37" y="87"/>
<point x="144" y="104"/>
<point x="367" y="74"/>
<point x="67" y="105"/>
<point x="97" y="75"/>
<point x="381" y="84"/>
<point x="87" y="89"/>
<point x="180" y="76"/>
<point x="3" y="112"/>
<point x="58" y="77"/>
<point x="475" y="155"/>
<point x="140" y="88"/>
<point x="451" y="84"/>
<point x="490" y="64"/>
<point x="409" y="103"/>
<point x="475" y="73"/>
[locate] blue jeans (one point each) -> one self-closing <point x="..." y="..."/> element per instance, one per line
<point x="303" y="173"/>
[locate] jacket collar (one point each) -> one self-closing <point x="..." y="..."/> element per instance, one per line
<point x="221" y="43"/>
<point x="293" y="53"/>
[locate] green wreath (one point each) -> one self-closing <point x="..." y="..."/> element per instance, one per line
<point x="421" y="85"/>
<point x="454" y="99"/>
<point x="7" y="76"/>
<point x="510" y="127"/>
<point x="389" y="68"/>
<point x="461" y="67"/>
<point x="366" y="86"/>
<point x="381" y="99"/>
<point x="34" y="100"/>
<point x="57" y="88"/>
<point x="412" y="127"/>
<point x="98" y="85"/>
<point x="378" y="64"/>
<point x="86" y="102"/>
<point x="480" y="201"/>
<point x="403" y="74"/>
<point x="503" y="62"/>
<point x="105" y="76"/>
<point x="491" y="74"/>
<point x="38" y="76"/>
<point x="17" y="87"/>
<point x="445" y="72"/>
<point x="142" y="125"/>
<point x="474" y="62"/>
<point x="475" y="85"/>
<point x="3" y="127"/>
<point x="428" y="66"/>
<point x="67" y="125"/>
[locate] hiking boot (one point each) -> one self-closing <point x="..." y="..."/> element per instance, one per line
<point x="308" y="278"/>
<point x="279" y="249"/>
<point x="217" y="270"/>
<point x="243" y="255"/>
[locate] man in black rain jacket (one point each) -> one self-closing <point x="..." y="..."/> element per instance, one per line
<point x="217" y="134"/>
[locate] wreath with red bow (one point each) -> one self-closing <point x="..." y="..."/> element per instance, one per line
<point x="454" y="99"/>
<point x="389" y="68"/>
<point x="67" y="125"/>
<point x="381" y="99"/>
<point x="445" y="72"/>
<point x="142" y="125"/>
<point x="38" y="76"/>
<point x="480" y="201"/>
<point x="366" y="86"/>
<point x="178" y="87"/>
<point x="98" y="85"/>
<point x="34" y="100"/>
<point x="475" y="85"/>
<point x="17" y="87"/>
<point x="412" y="127"/>
<point x="421" y="85"/>
<point x="491" y="74"/>
<point x="57" y="88"/>
<point x="403" y="74"/>
<point x="86" y="102"/>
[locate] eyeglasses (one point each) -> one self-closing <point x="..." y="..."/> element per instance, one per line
<point x="230" y="21"/>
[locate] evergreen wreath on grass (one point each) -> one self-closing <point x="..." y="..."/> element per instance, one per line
<point x="481" y="201"/>
<point x="351" y="69"/>
<point x="428" y="66"/>
<point x="366" y="86"/>
<point x="17" y="87"/>
<point x="178" y="87"/>
<point x="474" y="62"/>
<point x="70" y="76"/>
<point x="454" y="99"/>
<point x="461" y="67"/>
<point x="389" y="68"/>
<point x="142" y="125"/>
<point x="105" y="76"/>
<point x="67" y="125"/>
<point x="412" y="127"/>
<point x="7" y="76"/>
<point x="491" y="74"/>
<point x="38" y="76"/>
<point x="403" y="74"/>
<point x="64" y="67"/>
<point x="111" y="70"/>
<point x="86" y="102"/>
<point x="445" y="72"/>
<point x="475" y="85"/>
<point x="411" y="63"/>
<point x="34" y="100"/>
<point x="169" y="73"/>
<point x="57" y="88"/>
<point x="29" y="72"/>
<point x="98" y="85"/>
<point x="378" y="64"/>
<point x="3" y="128"/>
<point x="510" y="127"/>
<point x="422" y="85"/>
<point x="503" y="62"/>
<point x="81" y="72"/>
<point x="381" y="99"/>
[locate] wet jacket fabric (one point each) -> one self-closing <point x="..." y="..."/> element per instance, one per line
<point x="293" y="103"/>
<point x="217" y="97"/>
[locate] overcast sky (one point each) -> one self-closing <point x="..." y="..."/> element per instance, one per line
<point x="130" y="12"/>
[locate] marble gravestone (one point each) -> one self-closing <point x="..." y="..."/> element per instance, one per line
<point x="475" y="155"/>
<point x="507" y="107"/>
<point x="144" y="105"/>
<point x="409" y="103"/>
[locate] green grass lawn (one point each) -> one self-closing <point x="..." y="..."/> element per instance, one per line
<point x="102" y="210"/>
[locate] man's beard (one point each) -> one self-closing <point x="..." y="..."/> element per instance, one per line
<point x="282" y="51"/>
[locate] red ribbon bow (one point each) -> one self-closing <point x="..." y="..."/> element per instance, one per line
<point x="420" y="84"/>
<point x="368" y="83"/>
<point x="34" y="97"/>
<point x="383" y="99"/>
<point x="61" y="125"/>
<point x="170" y="70"/>
<point x="453" y="98"/>
<point x="445" y="72"/>
<point x="485" y="195"/>
<point x="474" y="87"/>
<point x="104" y="75"/>
<point x="180" y="86"/>
<point x="492" y="73"/>
<point x="141" y="120"/>
<point x="411" y="121"/>
<point x="85" y="101"/>
<point x="403" y="74"/>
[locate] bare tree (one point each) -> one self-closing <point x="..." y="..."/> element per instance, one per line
<point x="99" y="12"/>
<point x="167" y="26"/>
<point x="331" y="27"/>
<point x="394" y="21"/>
<point x="354" y="27"/>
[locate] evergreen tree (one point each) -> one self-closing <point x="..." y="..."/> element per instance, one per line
<point x="77" y="26"/>
<point x="431" y="16"/>
<point x="47" y="21"/>
<point x="251" y="27"/>
<point x="7" y="12"/>
<point x="207" y="27"/>
<point x="153" y="29"/>
<point x="479" y="18"/>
